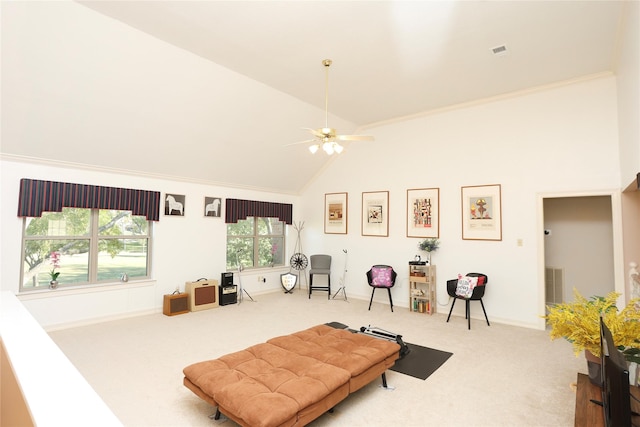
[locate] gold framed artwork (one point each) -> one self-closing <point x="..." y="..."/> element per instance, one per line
<point x="482" y="212"/>
<point x="335" y="213"/>
<point x="423" y="212"/>
<point x="375" y="213"/>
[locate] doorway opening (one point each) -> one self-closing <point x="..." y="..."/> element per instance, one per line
<point x="580" y="246"/>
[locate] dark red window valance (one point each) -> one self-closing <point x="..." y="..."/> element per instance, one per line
<point x="240" y="209"/>
<point x="38" y="196"/>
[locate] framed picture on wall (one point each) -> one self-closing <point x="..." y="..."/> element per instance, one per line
<point x="375" y="213"/>
<point x="482" y="212"/>
<point x="212" y="206"/>
<point x="174" y="204"/>
<point x="335" y="213"/>
<point x="423" y="212"/>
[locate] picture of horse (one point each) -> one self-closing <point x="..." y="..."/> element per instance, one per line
<point x="174" y="205"/>
<point x="212" y="206"/>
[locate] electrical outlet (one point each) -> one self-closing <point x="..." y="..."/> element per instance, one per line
<point x="260" y="279"/>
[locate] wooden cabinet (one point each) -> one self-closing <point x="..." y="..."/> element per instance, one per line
<point x="422" y="287"/>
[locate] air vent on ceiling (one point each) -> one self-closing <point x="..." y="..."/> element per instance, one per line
<point x="499" y="50"/>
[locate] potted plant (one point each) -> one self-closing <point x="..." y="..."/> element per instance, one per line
<point x="579" y="323"/>
<point x="55" y="262"/>
<point x="429" y="245"/>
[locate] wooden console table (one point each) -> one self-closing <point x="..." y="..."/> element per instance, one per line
<point x="588" y="413"/>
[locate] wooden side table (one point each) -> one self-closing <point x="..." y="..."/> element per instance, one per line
<point x="589" y="414"/>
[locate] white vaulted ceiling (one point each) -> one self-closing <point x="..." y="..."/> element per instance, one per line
<point x="391" y="59"/>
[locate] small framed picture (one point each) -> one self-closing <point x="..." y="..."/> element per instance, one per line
<point x="482" y="212"/>
<point x="213" y="206"/>
<point x="375" y="213"/>
<point x="174" y="204"/>
<point x="423" y="212"/>
<point x="335" y="213"/>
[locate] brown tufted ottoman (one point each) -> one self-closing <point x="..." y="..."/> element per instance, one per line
<point x="293" y="379"/>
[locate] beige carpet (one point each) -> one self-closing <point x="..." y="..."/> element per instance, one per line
<point x="498" y="375"/>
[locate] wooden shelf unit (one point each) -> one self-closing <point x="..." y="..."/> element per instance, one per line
<point x="422" y="287"/>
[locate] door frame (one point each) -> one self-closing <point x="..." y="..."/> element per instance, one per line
<point x="618" y="252"/>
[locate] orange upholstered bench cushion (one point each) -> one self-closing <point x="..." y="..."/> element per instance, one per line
<point x="265" y="385"/>
<point x="363" y="356"/>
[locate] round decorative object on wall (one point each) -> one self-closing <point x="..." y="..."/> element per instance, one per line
<point x="299" y="261"/>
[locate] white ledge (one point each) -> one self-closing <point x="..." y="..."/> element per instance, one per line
<point x="84" y="289"/>
<point x="55" y="392"/>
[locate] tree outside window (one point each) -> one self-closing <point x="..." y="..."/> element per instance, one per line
<point x="255" y="242"/>
<point x="91" y="246"/>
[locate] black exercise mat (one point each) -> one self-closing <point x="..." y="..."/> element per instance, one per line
<point x="421" y="362"/>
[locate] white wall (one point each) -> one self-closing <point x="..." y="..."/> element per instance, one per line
<point x="628" y="78"/>
<point x="557" y="140"/>
<point x="184" y="249"/>
<point x="629" y="94"/>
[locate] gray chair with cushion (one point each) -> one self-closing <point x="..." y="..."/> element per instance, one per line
<point x="320" y="264"/>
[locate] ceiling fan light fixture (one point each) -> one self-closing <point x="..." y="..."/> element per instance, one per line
<point x="327" y="136"/>
<point x="328" y="148"/>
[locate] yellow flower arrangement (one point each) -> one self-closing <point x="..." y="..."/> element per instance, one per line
<point x="579" y="323"/>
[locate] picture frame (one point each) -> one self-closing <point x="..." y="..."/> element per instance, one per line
<point x="213" y="207"/>
<point x="482" y="212"/>
<point x="174" y="204"/>
<point x="336" y="213"/>
<point x="423" y="212"/>
<point x="375" y="213"/>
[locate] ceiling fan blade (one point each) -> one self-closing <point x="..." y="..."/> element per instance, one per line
<point x="355" y="138"/>
<point x="317" y="132"/>
<point x="326" y="136"/>
<point x="308" y="141"/>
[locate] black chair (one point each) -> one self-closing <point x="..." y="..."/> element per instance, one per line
<point x="320" y="264"/>
<point x="478" y="293"/>
<point x="381" y="276"/>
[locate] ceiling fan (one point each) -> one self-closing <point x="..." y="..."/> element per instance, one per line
<point x="327" y="137"/>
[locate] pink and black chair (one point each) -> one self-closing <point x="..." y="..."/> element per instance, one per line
<point x="381" y="276"/>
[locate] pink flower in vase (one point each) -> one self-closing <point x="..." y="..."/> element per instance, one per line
<point x="55" y="262"/>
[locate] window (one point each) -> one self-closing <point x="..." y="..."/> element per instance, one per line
<point x="255" y="242"/>
<point x="86" y="246"/>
